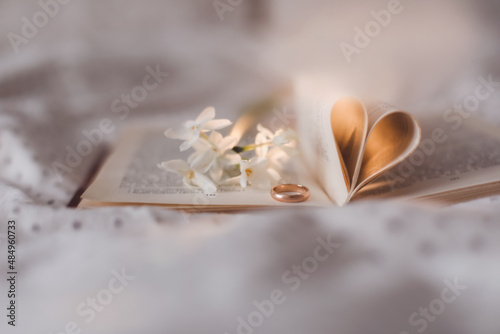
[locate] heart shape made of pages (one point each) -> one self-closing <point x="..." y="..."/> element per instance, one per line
<point x="371" y="138"/>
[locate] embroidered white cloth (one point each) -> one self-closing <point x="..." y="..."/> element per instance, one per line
<point x="376" y="267"/>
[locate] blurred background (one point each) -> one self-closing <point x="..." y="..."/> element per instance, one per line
<point x="65" y="65"/>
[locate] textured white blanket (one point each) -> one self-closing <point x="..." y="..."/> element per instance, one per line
<point x="376" y="267"/>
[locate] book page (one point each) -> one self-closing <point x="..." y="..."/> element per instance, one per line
<point x="449" y="158"/>
<point x="392" y="136"/>
<point x="321" y="152"/>
<point x="131" y="175"/>
<point x="349" y="142"/>
<point x="349" y="123"/>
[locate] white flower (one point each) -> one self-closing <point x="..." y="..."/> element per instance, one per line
<point x="277" y="158"/>
<point x="192" y="177"/>
<point x="190" y="131"/>
<point x="257" y="173"/>
<point x="284" y="139"/>
<point x="214" y="154"/>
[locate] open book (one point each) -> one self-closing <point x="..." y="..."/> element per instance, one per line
<point x="350" y="150"/>
<point x="351" y="143"/>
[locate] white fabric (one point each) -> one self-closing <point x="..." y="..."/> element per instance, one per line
<point x="200" y="273"/>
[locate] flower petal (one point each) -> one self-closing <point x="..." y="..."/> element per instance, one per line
<point x="188" y="182"/>
<point x="217" y="124"/>
<point x="265" y="131"/>
<point x="175" y="166"/>
<point x="216" y="172"/>
<point x="277" y="153"/>
<point x="202" y="145"/>
<point x="204" y="161"/>
<point x="215" y="137"/>
<point x="243" y="180"/>
<point x="227" y="143"/>
<point x="179" y="132"/>
<point x="193" y="156"/>
<point x="204" y="183"/>
<point x="260" y="139"/>
<point x="206" y="115"/>
<point x="230" y="159"/>
<point x="189" y="124"/>
<point x="280" y="140"/>
<point x="258" y="162"/>
<point x="244" y="165"/>
<point x="189" y="143"/>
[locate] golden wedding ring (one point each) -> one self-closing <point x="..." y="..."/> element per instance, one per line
<point x="290" y="193"/>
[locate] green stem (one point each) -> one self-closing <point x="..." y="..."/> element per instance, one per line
<point x="251" y="147"/>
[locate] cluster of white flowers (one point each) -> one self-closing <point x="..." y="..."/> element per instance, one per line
<point x="217" y="160"/>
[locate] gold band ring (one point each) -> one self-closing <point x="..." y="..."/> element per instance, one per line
<point x="290" y="193"/>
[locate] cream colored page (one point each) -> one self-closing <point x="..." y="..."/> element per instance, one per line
<point x="385" y="146"/>
<point x="317" y="142"/>
<point x="376" y="110"/>
<point x="131" y="175"/>
<point x="349" y="123"/>
<point x="449" y="158"/>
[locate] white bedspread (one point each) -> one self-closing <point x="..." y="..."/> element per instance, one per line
<point x="373" y="267"/>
